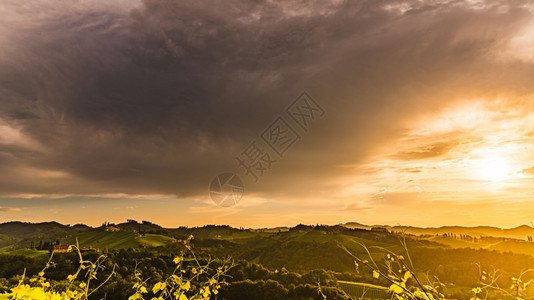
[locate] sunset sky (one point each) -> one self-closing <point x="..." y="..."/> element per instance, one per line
<point x="128" y="109"/>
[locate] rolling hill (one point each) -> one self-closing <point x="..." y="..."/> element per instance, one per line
<point x="452" y="253"/>
<point x="251" y="243"/>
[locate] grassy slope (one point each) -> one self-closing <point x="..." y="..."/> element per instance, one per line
<point x="29" y="253"/>
<point x="116" y="240"/>
<point x="154" y="240"/>
<point x="103" y="239"/>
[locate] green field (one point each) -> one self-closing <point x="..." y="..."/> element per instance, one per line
<point x="117" y="240"/>
<point x="28" y="252"/>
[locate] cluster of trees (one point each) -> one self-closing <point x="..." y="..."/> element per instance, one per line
<point x="464" y="237"/>
<point x="43" y="246"/>
<point x="456" y="268"/>
<point x="156" y="264"/>
<point x="462" y="267"/>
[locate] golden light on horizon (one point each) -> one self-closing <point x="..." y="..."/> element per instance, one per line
<point x="475" y="153"/>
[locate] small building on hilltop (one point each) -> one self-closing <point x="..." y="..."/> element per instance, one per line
<point x="89" y="249"/>
<point x="112" y="228"/>
<point x="62" y="248"/>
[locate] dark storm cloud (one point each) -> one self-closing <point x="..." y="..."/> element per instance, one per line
<point x="158" y="98"/>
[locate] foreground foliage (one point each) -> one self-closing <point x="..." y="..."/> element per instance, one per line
<point x="269" y="265"/>
<point x="404" y="284"/>
<point x="190" y="280"/>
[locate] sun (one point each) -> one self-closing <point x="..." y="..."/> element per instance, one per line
<point x="492" y="168"/>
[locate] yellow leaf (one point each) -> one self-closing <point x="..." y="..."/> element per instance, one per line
<point x="395" y="288"/>
<point x="407" y="275"/>
<point x="186" y="286"/>
<point x="375" y="274"/>
<point x="205" y="291"/>
<point x="156" y="288"/>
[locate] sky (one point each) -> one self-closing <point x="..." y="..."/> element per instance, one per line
<point x="411" y="112"/>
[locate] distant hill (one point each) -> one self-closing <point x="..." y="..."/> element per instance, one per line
<point x="36" y="230"/>
<point x="144" y="226"/>
<point x="449" y="252"/>
<point x="134" y="234"/>
<point x="19" y="235"/>
<point x="355" y="225"/>
<point x="521" y="232"/>
<point x="131" y="234"/>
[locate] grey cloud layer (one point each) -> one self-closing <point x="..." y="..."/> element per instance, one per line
<point x="159" y="98"/>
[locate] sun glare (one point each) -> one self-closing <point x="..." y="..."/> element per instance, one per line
<point x="492" y="168"/>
